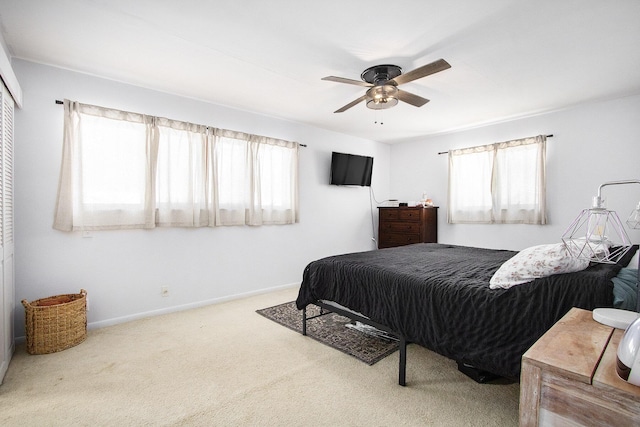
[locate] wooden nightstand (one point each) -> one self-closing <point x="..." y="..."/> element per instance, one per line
<point x="569" y="377"/>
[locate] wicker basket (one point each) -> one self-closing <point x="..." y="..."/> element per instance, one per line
<point x="55" y="323"/>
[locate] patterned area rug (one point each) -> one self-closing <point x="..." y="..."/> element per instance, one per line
<point x="334" y="331"/>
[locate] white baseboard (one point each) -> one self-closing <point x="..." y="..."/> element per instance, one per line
<point x="173" y="309"/>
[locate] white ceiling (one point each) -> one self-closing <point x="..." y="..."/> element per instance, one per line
<point x="509" y="58"/>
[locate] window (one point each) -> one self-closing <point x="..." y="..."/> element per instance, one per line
<point x="498" y="183"/>
<point x="127" y="170"/>
<point x="256" y="179"/>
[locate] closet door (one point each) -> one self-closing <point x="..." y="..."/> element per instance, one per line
<point x="7" y="288"/>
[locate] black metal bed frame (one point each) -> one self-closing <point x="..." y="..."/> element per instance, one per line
<point x="402" y="342"/>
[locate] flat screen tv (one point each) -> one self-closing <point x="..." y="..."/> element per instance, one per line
<point x="351" y="169"/>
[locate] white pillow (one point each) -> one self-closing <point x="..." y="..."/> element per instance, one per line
<point x="535" y="262"/>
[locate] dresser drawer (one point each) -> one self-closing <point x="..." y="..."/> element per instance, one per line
<point x="389" y="214"/>
<point x="401" y="227"/>
<point x="397" y="239"/>
<point x="409" y="215"/>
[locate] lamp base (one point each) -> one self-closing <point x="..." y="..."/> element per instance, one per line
<point x="614" y="317"/>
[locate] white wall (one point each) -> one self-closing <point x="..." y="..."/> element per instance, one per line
<point x="592" y="143"/>
<point x="124" y="270"/>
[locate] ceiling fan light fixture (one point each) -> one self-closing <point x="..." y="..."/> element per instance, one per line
<point x="382" y="97"/>
<point x="381" y="104"/>
<point x="382" y="81"/>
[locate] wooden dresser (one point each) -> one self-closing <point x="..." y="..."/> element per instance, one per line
<point x="569" y="377"/>
<point x="407" y="225"/>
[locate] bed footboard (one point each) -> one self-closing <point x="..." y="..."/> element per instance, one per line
<point x="402" y="342"/>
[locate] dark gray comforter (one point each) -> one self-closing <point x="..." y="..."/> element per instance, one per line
<point x="438" y="296"/>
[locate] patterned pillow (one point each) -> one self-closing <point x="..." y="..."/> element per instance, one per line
<point x="535" y="262"/>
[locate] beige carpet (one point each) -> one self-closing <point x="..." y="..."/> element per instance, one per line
<point x="227" y="365"/>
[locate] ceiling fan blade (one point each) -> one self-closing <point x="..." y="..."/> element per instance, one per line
<point x="347" y="81"/>
<point x="409" y="98"/>
<point x="425" y="70"/>
<point x="351" y="104"/>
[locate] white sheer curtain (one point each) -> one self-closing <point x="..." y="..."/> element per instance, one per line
<point x="230" y="173"/>
<point x="256" y="179"/>
<point x="274" y="192"/>
<point x="470" y="172"/>
<point x="127" y="170"/>
<point x="181" y="179"/>
<point x="106" y="172"/>
<point x="499" y="183"/>
<point x="519" y="182"/>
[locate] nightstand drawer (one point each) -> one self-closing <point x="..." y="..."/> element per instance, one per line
<point x="569" y="377"/>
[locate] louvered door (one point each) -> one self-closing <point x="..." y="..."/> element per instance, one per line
<point x="7" y="287"/>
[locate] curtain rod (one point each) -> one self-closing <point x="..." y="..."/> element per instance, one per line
<point x="60" y="103"/>
<point x="446" y="152"/>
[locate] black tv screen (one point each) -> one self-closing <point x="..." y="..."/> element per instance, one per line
<point x="351" y="169"/>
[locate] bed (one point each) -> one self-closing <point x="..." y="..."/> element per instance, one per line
<point x="438" y="296"/>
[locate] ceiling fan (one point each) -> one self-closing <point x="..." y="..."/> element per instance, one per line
<point x="383" y="82"/>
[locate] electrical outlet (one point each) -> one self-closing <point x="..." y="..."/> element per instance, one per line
<point x="164" y="291"/>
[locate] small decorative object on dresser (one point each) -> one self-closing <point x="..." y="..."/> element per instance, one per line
<point x="407" y="225"/>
